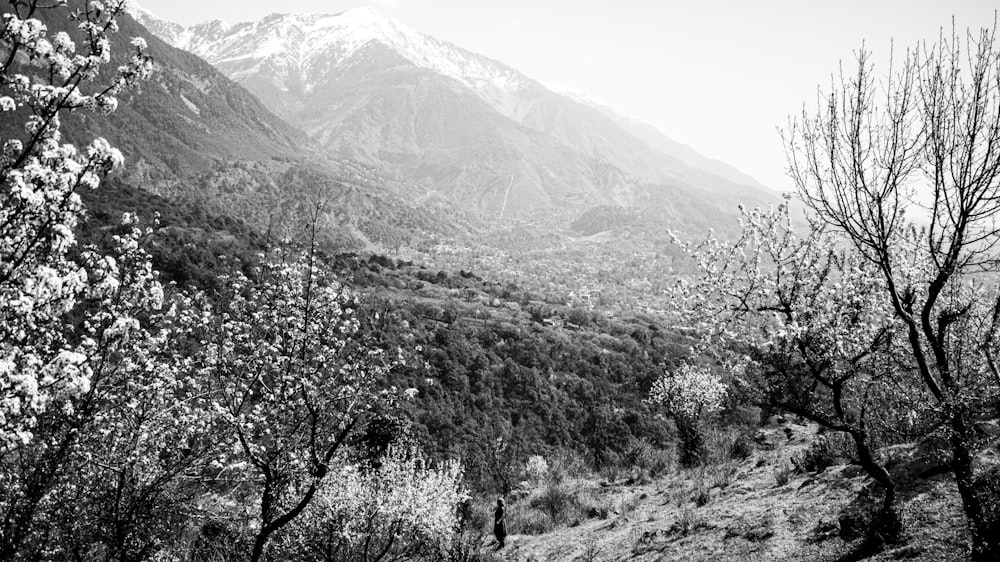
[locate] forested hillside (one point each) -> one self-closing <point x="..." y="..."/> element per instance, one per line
<point x="489" y="360"/>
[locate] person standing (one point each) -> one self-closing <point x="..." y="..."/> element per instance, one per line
<point x="500" y="523"/>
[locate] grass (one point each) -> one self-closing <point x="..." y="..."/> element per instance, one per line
<point x="553" y="505"/>
<point x="729" y="509"/>
<point x="782" y="474"/>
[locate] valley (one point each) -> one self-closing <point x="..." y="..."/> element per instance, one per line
<point x="323" y="287"/>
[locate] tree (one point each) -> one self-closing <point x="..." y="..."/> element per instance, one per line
<point x="808" y="323"/>
<point x="293" y="379"/>
<point x="689" y="393"/>
<point x="117" y="483"/>
<point x="908" y="169"/>
<point x="76" y="343"/>
<point x="401" y="509"/>
<point x="40" y="282"/>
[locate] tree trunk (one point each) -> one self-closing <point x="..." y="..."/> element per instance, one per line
<point x="694" y="453"/>
<point x="888" y="526"/>
<point x="985" y="539"/>
<point x="258" y="547"/>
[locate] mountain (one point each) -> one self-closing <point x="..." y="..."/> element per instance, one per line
<point x="196" y="137"/>
<point x="453" y="123"/>
<point x="182" y="121"/>
<point x="658" y="140"/>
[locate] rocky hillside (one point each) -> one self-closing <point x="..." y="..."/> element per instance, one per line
<point x="776" y="504"/>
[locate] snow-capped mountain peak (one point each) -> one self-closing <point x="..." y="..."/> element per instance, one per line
<point x="367" y="87"/>
<point x="296" y="49"/>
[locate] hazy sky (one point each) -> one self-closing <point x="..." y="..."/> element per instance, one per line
<point x="718" y="75"/>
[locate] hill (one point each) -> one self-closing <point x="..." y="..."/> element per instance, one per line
<point x="771" y="505"/>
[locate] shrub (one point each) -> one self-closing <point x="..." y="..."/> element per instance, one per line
<point x="566" y="464"/>
<point x="529" y="522"/>
<point x="702" y="495"/>
<point x="217" y="541"/>
<point x="689" y="522"/>
<point x="404" y="506"/>
<point x="627" y="506"/>
<point x="720" y="476"/>
<point x="826" y="451"/>
<point x="536" y="469"/>
<point x="558" y="501"/>
<point x="742" y="447"/>
<point x="563" y="504"/>
<point x="782" y="475"/>
<point x="693" y="450"/>
<point x="723" y="445"/>
<point x="644" y="456"/>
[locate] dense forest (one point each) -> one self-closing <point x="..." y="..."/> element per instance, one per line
<point x="489" y="360"/>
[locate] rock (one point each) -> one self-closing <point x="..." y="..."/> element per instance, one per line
<point x="989" y="428"/>
<point x="908" y="551"/>
<point x="852" y="471"/>
<point x="827" y="528"/>
<point x="765" y="440"/>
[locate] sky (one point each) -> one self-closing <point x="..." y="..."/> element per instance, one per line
<point x="719" y="75"/>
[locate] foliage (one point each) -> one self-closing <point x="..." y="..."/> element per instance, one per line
<point x="906" y="167"/>
<point x="88" y="383"/>
<point x="824" y="452"/>
<point x="40" y="283"/>
<point x="290" y="380"/>
<point x="742" y="447"/>
<point x="129" y="412"/>
<point x="782" y="474"/>
<point x="536" y="469"/>
<point x="490" y="369"/>
<point x="403" y="508"/>
<point x="235" y="412"/>
<point x="807" y="324"/>
<point x="689" y="392"/>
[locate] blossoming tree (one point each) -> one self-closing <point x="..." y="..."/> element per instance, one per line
<point x="73" y="324"/>
<point x="689" y="394"/>
<point x="907" y="167"/>
<point x="399" y="510"/>
<point x="42" y="77"/>
<point x="807" y="324"/>
<point x="293" y="379"/>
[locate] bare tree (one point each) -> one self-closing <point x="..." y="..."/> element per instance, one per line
<point x="909" y="169"/>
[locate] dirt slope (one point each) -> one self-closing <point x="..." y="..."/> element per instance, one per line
<point x="746" y="515"/>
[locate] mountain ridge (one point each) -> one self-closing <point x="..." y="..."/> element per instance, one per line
<point x="658" y="140"/>
<point x="369" y="88"/>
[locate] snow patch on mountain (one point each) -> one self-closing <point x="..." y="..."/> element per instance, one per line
<point x="190" y="105"/>
<point x="590" y="101"/>
<point x="574" y="94"/>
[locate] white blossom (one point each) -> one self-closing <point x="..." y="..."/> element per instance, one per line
<point x="689" y="391"/>
<point x="40" y="281"/>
